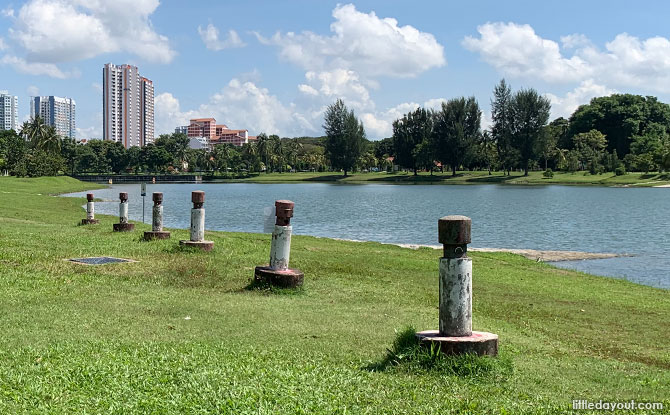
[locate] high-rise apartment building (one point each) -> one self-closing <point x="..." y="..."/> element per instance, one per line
<point x="128" y="106"/>
<point x="57" y="112"/>
<point x="9" y="111"/>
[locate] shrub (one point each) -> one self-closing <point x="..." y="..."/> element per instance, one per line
<point x="620" y="171"/>
<point x="548" y="173"/>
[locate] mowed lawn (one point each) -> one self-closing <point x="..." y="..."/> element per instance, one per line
<point x="177" y="332"/>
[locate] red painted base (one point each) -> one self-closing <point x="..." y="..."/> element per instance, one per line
<point x="149" y="235"/>
<point x="289" y="278"/>
<point x="204" y="245"/>
<point x="124" y="227"/>
<point x="480" y="343"/>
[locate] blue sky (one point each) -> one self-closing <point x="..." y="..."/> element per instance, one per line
<point x="273" y="66"/>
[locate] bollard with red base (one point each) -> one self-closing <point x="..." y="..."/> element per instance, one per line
<point x="123" y="225"/>
<point x="277" y="272"/>
<point x="157" y="231"/>
<point x="90" y="211"/>
<point x="455" y="335"/>
<point x="198" y="223"/>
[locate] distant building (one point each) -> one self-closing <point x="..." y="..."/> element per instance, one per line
<point x="198" y="143"/>
<point x="9" y="111"/>
<point x="181" y="130"/>
<point x="214" y="133"/>
<point x="128" y="106"/>
<point x="57" y="112"/>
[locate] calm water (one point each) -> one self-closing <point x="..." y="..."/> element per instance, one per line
<point x="592" y="219"/>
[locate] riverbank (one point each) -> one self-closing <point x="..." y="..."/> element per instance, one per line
<point x="176" y="332"/>
<point x="469" y="177"/>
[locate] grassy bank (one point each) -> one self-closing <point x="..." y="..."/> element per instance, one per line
<point x="176" y="332"/>
<point x="470" y="177"/>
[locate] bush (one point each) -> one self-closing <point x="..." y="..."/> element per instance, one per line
<point x="548" y="173"/>
<point x="620" y="171"/>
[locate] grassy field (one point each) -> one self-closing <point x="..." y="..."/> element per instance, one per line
<point x="177" y="332"/>
<point x="470" y="177"/>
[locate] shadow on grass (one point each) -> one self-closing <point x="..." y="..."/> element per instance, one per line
<point x="406" y="355"/>
<point x="494" y="178"/>
<point x="327" y="178"/>
<point x="269" y="289"/>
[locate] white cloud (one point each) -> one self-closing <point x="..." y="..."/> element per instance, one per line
<point x="33" y="68"/>
<point x="239" y="105"/>
<point x="338" y="83"/>
<point x="369" y="45"/>
<point x="97" y="87"/>
<point x="379" y="125"/>
<point x="516" y="50"/>
<point x="626" y="61"/>
<point x="3" y="45"/>
<point x="575" y="40"/>
<point x="53" y="31"/>
<point x="89" y="133"/>
<point x="33" y="91"/>
<point x="7" y="12"/>
<point x="210" y="36"/>
<point x="566" y="105"/>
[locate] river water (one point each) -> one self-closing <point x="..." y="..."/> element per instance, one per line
<point x="630" y="221"/>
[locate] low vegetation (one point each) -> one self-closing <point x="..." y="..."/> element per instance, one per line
<point x="178" y="332"/>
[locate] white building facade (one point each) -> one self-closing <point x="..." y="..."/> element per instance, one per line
<point x="128" y="106"/>
<point x="57" y="112"/>
<point x="9" y="111"/>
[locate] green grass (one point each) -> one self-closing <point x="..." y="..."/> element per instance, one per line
<point x="466" y="177"/>
<point x="178" y="332"/>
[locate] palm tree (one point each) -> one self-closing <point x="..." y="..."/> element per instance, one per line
<point x="278" y="151"/>
<point x="294" y="148"/>
<point x="41" y="136"/>
<point x="264" y="150"/>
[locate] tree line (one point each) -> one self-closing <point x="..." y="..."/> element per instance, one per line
<point x="617" y="133"/>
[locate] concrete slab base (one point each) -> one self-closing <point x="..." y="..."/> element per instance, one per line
<point x="89" y="221"/>
<point x="204" y="245"/>
<point x="289" y="278"/>
<point x="480" y="343"/>
<point x="150" y="235"/>
<point x="124" y="227"/>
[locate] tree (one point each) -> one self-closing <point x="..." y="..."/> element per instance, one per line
<point x="14" y="153"/>
<point x="264" y="150"/>
<point x="620" y="117"/>
<point x="590" y="147"/>
<point x="488" y="152"/>
<point x="156" y="158"/>
<point x="530" y="113"/>
<point x="344" y="136"/>
<point x="501" y="130"/>
<point x="41" y="136"/>
<point x="457" y="127"/>
<point x="414" y="129"/>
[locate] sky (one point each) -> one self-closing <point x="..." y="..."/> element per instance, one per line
<point x="274" y="66"/>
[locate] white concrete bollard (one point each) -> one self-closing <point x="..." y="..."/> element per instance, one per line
<point x="280" y="249"/>
<point x="455" y="335"/>
<point x="157" y="231"/>
<point x="90" y="211"/>
<point x="455" y="277"/>
<point x="123" y="225"/>
<point x="456" y="296"/>
<point x="198" y="223"/>
<point x="278" y="273"/>
<point x="157" y="218"/>
<point x="123" y="211"/>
